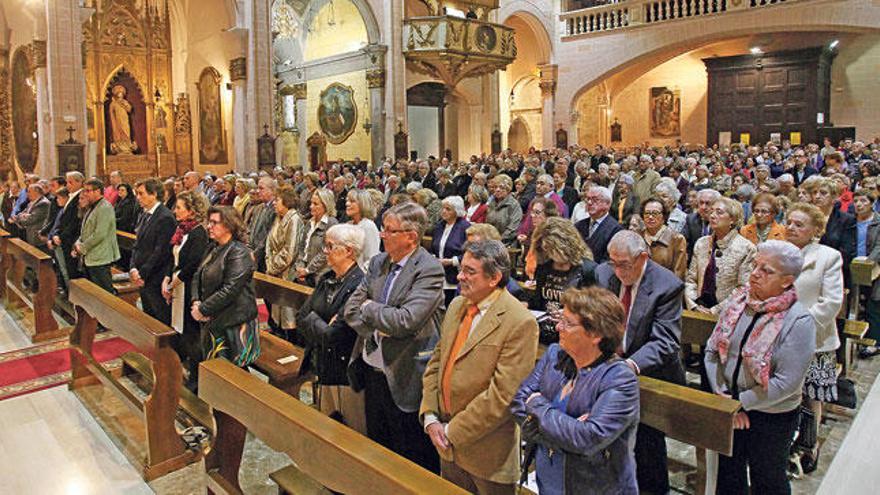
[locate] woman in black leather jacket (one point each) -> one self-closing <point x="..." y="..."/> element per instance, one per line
<point x="329" y="339"/>
<point x="223" y="291"/>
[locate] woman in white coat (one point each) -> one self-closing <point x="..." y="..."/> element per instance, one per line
<point x="820" y="290"/>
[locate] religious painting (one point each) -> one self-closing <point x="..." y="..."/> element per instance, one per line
<point x="665" y="112"/>
<point x="24" y="112"/>
<point x="125" y="121"/>
<point x="212" y="138"/>
<point x="486" y="39"/>
<point x="337" y="113"/>
<point x="616" y="132"/>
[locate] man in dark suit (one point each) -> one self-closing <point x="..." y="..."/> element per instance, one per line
<point x="151" y="256"/>
<point x="32" y="218"/>
<point x="568" y="194"/>
<point x="396" y="312"/>
<point x="697" y="224"/>
<point x="802" y="168"/>
<point x="69" y="225"/>
<point x="600" y="227"/>
<point x="651" y="297"/>
<point x="55" y="183"/>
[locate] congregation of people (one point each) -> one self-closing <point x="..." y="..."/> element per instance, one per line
<point x="475" y="316"/>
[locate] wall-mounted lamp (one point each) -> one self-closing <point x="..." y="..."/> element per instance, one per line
<point x="367" y="124"/>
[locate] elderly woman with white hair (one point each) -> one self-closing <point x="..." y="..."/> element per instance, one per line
<point x="447" y="242"/>
<point x="667" y="192"/>
<point x="722" y="260"/>
<point x="505" y="213"/>
<point x="758" y="354"/>
<point x="360" y="208"/>
<point x="329" y="339"/>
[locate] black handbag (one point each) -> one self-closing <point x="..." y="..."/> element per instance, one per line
<point x="846" y="393"/>
<point x="807" y="434"/>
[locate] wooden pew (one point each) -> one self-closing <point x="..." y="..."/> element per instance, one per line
<point x="125" y="240"/>
<point x="18" y="255"/>
<point x="280" y="360"/>
<point x="165" y="450"/>
<point x="330" y="453"/>
<point x="4" y="262"/>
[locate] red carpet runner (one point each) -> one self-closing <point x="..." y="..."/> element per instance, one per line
<point x="47" y="365"/>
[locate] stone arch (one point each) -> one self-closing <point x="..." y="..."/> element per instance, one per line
<point x="621" y="49"/>
<point x="374" y="34"/>
<point x="539" y="21"/>
<point x="519" y="136"/>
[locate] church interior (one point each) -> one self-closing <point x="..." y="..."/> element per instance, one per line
<point x="159" y="88"/>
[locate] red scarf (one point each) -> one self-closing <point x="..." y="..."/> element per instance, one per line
<point x="183" y="228"/>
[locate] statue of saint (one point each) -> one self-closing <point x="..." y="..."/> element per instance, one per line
<point x="120" y="124"/>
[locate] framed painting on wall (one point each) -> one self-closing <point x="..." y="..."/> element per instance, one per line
<point x="212" y="137"/>
<point x="664" y="107"/>
<point x="337" y="113"/>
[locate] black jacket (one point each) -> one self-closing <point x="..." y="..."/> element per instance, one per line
<point x="224" y="284"/>
<point x="693" y="230"/>
<point x="329" y="345"/>
<point x="578" y="277"/>
<point x="598" y="243"/>
<point x="53" y="213"/>
<point x="70" y="223"/>
<point x="191" y="255"/>
<point x="840" y="234"/>
<point x="127" y="212"/>
<point x="151" y="255"/>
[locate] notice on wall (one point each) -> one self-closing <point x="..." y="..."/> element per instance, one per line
<point x="776" y="137"/>
<point x="724" y="138"/>
<point x="745" y="138"/>
<point x="795" y="138"/>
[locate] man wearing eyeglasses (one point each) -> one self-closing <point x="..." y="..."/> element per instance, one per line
<point x="396" y="311"/>
<point x="97" y="246"/>
<point x="651" y="296"/>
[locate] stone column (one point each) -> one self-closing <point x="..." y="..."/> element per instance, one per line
<point x="549" y="77"/>
<point x="260" y="80"/>
<point x="65" y="78"/>
<point x="300" y="91"/>
<point x="238" y="76"/>
<point x="47" y="160"/>
<point x="395" y="80"/>
<point x="376" y="85"/>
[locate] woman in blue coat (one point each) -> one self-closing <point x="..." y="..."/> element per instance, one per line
<point x="447" y="242"/>
<point x="580" y="405"/>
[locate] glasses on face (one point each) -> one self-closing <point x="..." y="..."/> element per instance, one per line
<point x="621" y="265"/>
<point x="394" y="231"/>
<point x="649" y="213"/>
<point x="761" y="211"/>
<point x="537" y="213"/>
<point x="594" y="199"/>
<point x="566" y="325"/>
<point x="212" y="223"/>
<point x="329" y="246"/>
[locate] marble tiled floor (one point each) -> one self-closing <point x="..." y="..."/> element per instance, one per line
<point x="12" y="336"/>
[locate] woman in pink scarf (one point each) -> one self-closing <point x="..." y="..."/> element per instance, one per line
<point x="759" y="354"/>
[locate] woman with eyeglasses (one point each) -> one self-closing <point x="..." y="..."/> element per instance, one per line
<point x="329" y="339"/>
<point x="223" y="292"/>
<point x="579" y="408"/>
<point x="542" y="209"/>
<point x="668" y="247"/>
<point x="758" y="354"/>
<point x="722" y="260"/>
<point x="763" y="225"/>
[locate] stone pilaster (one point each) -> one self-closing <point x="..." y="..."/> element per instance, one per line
<point x="548" y="82"/>
<point x="299" y="96"/>
<point x="65" y="78"/>
<point x="376" y="85"/>
<point x="395" y="81"/>
<point x="238" y="76"/>
<point x="260" y="80"/>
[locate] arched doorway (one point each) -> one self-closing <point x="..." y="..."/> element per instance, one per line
<point x="518" y="136"/>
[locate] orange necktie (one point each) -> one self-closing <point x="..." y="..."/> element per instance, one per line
<point x="463" y="329"/>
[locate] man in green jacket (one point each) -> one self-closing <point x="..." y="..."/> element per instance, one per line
<point x="97" y="241"/>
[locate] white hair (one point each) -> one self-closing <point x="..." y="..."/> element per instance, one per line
<point x="667" y="185"/>
<point x="785" y="178"/>
<point x="413" y="186"/>
<point x="456" y="203"/>
<point x="709" y="192"/>
<point x="603" y="191"/>
<point x="629" y="242"/>
<point x="350" y="236"/>
<point x="785" y="254"/>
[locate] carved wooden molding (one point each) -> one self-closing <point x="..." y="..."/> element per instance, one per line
<point x="38" y="48"/>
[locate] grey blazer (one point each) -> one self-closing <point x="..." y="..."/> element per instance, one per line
<point x="32" y="220"/>
<point x="874" y="253"/>
<point x="411" y="320"/>
<point x="653" y="331"/>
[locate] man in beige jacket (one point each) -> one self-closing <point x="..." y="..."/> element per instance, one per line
<point x="488" y="344"/>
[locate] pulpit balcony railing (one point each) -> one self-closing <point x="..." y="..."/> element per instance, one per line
<point x="613" y="15"/>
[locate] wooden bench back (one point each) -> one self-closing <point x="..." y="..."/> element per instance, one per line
<point x="125" y="240"/>
<point x="127" y="321"/>
<point x="279" y="291"/>
<point x="329" y="452"/>
<point x="28" y="254"/>
<point x="696" y="327"/>
<point x="691" y="416"/>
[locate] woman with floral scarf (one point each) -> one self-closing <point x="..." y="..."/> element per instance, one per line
<point x="759" y="354"/>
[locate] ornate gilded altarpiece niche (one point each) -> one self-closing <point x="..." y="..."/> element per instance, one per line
<point x="127" y="43"/>
<point x="24" y="110"/>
